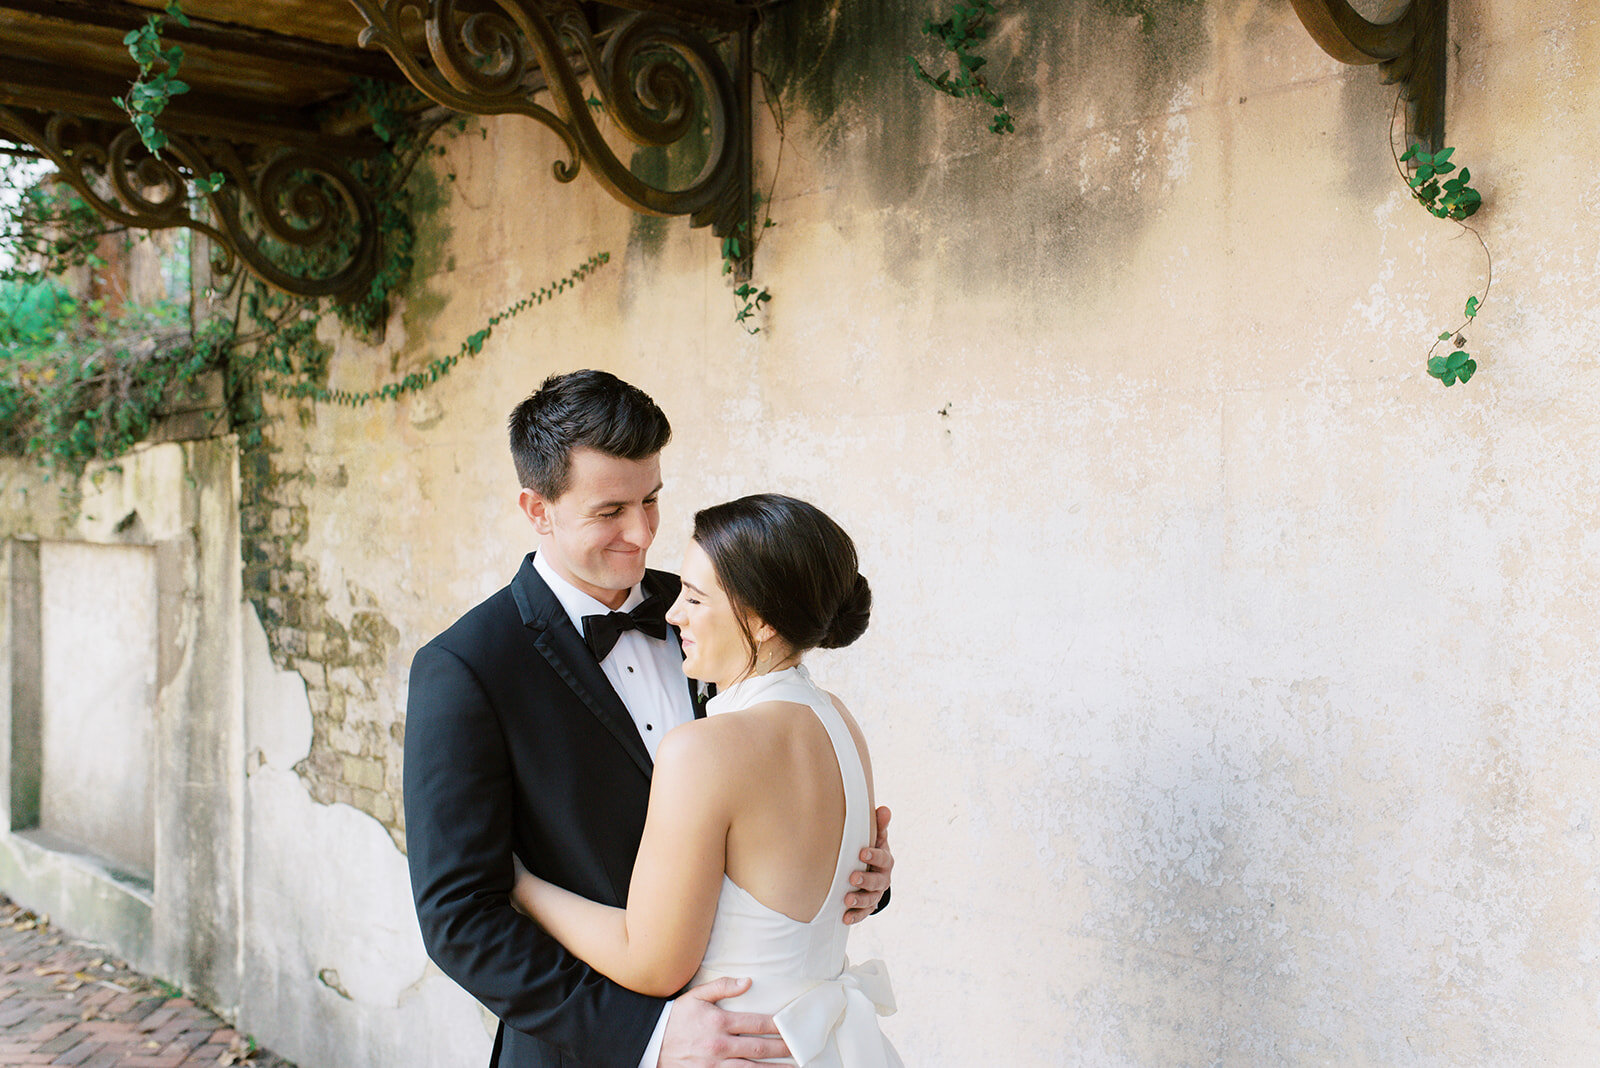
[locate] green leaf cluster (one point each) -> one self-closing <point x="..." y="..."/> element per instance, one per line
<point x="52" y="229"/>
<point x="1458" y="366"/>
<point x="153" y="89"/>
<point x="959" y="33"/>
<point x="33" y="314"/>
<point x="1447" y="198"/>
<point x="747" y="298"/>
<point x="750" y="298"/>
<point x="77" y="383"/>
<point x="1436" y="184"/>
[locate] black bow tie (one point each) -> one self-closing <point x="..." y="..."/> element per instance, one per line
<point x="600" y="633"/>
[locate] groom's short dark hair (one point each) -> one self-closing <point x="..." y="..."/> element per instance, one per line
<point x="581" y="409"/>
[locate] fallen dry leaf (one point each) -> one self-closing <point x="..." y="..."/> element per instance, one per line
<point x="239" y="1051"/>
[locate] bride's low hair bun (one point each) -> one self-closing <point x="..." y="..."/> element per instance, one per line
<point x="850" y="620"/>
<point x="784" y="561"/>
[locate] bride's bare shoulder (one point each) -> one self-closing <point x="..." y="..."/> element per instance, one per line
<point x="856" y="735"/>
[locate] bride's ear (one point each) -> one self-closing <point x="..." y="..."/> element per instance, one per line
<point x="761" y="631"/>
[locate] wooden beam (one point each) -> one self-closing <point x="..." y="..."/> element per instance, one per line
<point x="45" y="87"/>
<point x="714" y="14"/>
<point x="221" y="37"/>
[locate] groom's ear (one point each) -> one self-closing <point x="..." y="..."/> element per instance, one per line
<point x="536" y="508"/>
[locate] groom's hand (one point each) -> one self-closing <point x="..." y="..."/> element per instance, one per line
<point x="872" y="884"/>
<point x="700" y="1034"/>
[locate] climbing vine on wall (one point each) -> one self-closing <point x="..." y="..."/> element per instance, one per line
<point x="960" y="34"/>
<point x="438" y="368"/>
<point x="158" y="80"/>
<point x="81" y="381"/>
<point x="1447" y="193"/>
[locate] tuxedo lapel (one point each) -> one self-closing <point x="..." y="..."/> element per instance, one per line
<point x="561" y="645"/>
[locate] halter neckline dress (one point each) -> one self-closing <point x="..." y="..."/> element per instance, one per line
<point x="826" y="1009"/>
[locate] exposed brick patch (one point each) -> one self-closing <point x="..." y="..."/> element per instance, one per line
<point x="64" y="1002"/>
<point x="355" y="746"/>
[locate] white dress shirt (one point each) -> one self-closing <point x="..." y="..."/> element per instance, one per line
<point x="647" y="674"/>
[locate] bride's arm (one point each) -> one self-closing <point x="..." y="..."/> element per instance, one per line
<point x="653" y="946"/>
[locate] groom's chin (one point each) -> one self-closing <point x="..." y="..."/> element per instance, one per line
<point x="628" y="569"/>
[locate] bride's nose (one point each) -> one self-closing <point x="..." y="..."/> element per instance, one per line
<point x="675" y="614"/>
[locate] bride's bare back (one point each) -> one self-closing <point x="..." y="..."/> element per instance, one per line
<point x="786" y="802"/>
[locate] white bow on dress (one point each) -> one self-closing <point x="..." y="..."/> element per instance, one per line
<point x="844" y="1008"/>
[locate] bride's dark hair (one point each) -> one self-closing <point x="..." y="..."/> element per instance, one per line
<point x="785" y="562"/>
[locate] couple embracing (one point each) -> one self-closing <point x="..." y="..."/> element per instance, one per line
<point x="574" y="864"/>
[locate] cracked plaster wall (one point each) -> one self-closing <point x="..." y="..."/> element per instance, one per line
<point x="1233" y="683"/>
<point x="338" y="973"/>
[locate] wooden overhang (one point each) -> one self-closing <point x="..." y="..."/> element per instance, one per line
<point x="270" y="106"/>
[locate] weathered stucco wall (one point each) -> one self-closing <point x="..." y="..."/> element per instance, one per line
<point x="1233" y="683"/>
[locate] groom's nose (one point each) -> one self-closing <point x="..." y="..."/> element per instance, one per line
<point x="637" y="530"/>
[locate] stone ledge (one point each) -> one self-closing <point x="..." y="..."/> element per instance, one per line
<point x="105" y="905"/>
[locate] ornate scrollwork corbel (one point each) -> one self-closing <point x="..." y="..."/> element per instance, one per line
<point x="1410" y="50"/>
<point x="647" y="70"/>
<point x="296" y="219"/>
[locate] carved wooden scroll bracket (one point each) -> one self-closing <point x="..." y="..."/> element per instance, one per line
<point x="1410" y="50"/>
<point x="294" y="217"/>
<point x="648" y="65"/>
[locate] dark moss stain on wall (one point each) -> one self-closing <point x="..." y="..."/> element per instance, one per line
<point x="672" y="166"/>
<point x="427" y="292"/>
<point x="1011" y="207"/>
<point x="647" y="235"/>
<point x="844" y="66"/>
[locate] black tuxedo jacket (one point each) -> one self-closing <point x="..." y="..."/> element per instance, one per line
<point x="516" y="742"/>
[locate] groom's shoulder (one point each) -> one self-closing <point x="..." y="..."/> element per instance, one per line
<point x="497" y="615"/>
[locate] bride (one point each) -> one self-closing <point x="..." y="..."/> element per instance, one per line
<point x="759" y="811"/>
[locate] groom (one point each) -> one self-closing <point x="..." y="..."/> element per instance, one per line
<point x="531" y="729"/>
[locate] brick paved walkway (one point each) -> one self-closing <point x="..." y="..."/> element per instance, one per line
<point x="66" y="1002"/>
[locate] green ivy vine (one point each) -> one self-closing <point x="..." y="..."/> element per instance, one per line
<point x="959" y="34"/>
<point x="154" y="88"/>
<point x="438" y="368"/>
<point x="739" y="247"/>
<point x="1445" y="193"/>
<point x="81" y="382"/>
<point x="747" y="296"/>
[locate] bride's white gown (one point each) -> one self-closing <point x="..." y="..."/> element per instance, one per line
<point x="826" y="1009"/>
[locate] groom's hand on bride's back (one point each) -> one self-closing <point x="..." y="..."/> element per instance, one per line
<point x="872" y="885"/>
<point x="701" y="1034"/>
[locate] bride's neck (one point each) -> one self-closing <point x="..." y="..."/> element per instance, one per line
<point x="760" y="669"/>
